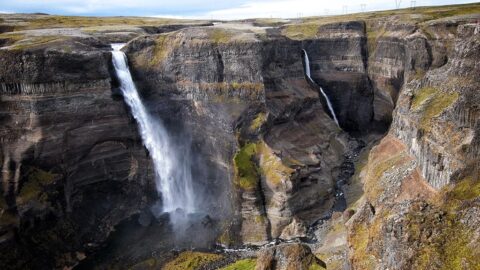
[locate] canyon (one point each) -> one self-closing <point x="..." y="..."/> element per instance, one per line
<point x="251" y="109"/>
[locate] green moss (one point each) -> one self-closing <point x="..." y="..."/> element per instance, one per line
<point x="422" y="95"/>
<point x="161" y="50"/>
<point x="190" y="260"/>
<point x="32" y="42"/>
<point x="301" y="31"/>
<point x="80" y="21"/>
<point x="466" y="189"/>
<point x="220" y="36"/>
<point x="246" y="171"/>
<point x="373" y="34"/>
<point x="376" y="170"/>
<point x="449" y="247"/>
<point x="271" y="166"/>
<point x="434" y="103"/>
<point x="258" y="121"/>
<point x="245" y="264"/>
<point x="260" y="219"/>
<point x="359" y="243"/>
<point x="315" y="266"/>
<point x="33" y="188"/>
<point x="41" y="176"/>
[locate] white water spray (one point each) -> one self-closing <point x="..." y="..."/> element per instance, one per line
<point x="307" y="72"/>
<point x="171" y="164"/>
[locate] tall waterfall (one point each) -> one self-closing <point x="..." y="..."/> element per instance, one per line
<point x="308" y="74"/>
<point x="171" y="164"/>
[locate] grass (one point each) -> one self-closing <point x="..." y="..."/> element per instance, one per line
<point x="375" y="171"/>
<point x="431" y="105"/>
<point x="245" y="264"/>
<point x="301" y="31"/>
<point x="451" y="245"/>
<point x="246" y="170"/>
<point x="422" y="95"/>
<point x="258" y="121"/>
<point x="220" y="36"/>
<point x="359" y="242"/>
<point x="448" y="247"/>
<point x="271" y="166"/>
<point x="33" y="188"/>
<point x="21" y="42"/>
<point x="41" y="22"/>
<point x="191" y="260"/>
<point x="467" y="189"/>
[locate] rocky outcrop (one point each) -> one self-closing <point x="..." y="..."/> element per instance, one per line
<point x="288" y="256"/>
<point x="421" y="181"/>
<point x="266" y="154"/>
<point x="232" y="82"/>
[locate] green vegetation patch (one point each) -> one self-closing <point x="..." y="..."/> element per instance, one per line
<point x="422" y="95"/>
<point x="373" y="188"/>
<point x="301" y="31"/>
<point x="359" y="242"/>
<point x="467" y="189"/>
<point x="246" y="171"/>
<point x="81" y="21"/>
<point x="191" y="260"/>
<point x="271" y="166"/>
<point x="449" y="245"/>
<point x="430" y="103"/>
<point x="258" y="121"/>
<point x="161" y="49"/>
<point x="245" y="264"/>
<point x="220" y="36"/>
<point x="33" y="188"/>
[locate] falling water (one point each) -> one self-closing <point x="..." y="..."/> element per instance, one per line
<point x="171" y="164"/>
<point x="307" y="73"/>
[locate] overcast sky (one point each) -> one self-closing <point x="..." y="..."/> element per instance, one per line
<point x="208" y="9"/>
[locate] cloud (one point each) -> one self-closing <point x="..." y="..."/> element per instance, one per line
<point x="208" y="9"/>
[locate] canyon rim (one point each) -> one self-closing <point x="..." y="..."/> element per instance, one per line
<point x="324" y="142"/>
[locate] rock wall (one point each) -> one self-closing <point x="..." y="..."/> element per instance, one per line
<point x="421" y="180"/>
<point x="248" y="94"/>
<point x="72" y="160"/>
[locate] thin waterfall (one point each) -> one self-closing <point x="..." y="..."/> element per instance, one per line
<point x="308" y="74"/>
<point x="171" y="164"/>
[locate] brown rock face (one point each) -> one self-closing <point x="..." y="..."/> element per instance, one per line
<point x="295" y="146"/>
<point x="266" y="154"/>
<point x="70" y="154"/>
<point x="288" y="257"/>
<point x="421" y="181"/>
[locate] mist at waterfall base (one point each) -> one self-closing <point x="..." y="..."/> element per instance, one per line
<point x="172" y="163"/>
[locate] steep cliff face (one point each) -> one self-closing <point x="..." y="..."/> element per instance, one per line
<point x="421" y="181"/>
<point x="70" y="154"/>
<point x="245" y="93"/>
<point x="269" y="162"/>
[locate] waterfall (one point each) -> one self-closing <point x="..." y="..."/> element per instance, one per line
<point x="171" y="164"/>
<point x="307" y="73"/>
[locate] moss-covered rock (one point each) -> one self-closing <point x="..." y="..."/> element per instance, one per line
<point x="246" y="170"/>
<point x="191" y="260"/>
<point x="430" y="102"/>
<point x="245" y="264"/>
